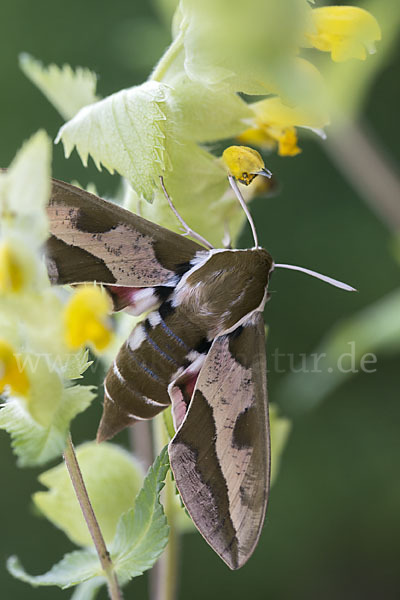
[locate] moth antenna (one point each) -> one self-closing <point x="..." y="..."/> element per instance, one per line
<point x="330" y="280"/>
<point x="243" y="204"/>
<point x="188" y="230"/>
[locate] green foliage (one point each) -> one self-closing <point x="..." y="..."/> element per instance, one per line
<point x="112" y="478"/>
<point x="124" y="132"/>
<point x="141" y="536"/>
<point x="66" y="89"/>
<point x="33" y="443"/>
<point x="142" y="532"/>
<point x="76" y="567"/>
<point x="31" y="316"/>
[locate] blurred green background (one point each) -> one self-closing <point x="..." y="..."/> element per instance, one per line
<point x="333" y="525"/>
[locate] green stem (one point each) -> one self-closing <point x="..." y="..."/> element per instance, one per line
<point x="368" y="169"/>
<point x="91" y="521"/>
<point x="164" y="580"/>
<point x="168" y="58"/>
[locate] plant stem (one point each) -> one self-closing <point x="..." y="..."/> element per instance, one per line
<point x="368" y="169"/>
<point x="168" y="58"/>
<point x="91" y="521"/>
<point x="141" y="443"/>
<point x="164" y="575"/>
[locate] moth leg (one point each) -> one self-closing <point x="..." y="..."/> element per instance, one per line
<point x="188" y="230"/>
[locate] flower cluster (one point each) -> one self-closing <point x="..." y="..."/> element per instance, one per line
<point x="200" y="93"/>
<point x="40" y="353"/>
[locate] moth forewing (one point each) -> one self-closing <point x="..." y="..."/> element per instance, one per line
<point x="201" y="347"/>
<point x="95" y="240"/>
<point x="220" y="456"/>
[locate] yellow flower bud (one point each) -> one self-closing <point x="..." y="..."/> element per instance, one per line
<point x="243" y="163"/>
<point x="11" y="270"/>
<point x="85" y="318"/>
<point x="344" y="31"/>
<point x="12" y="374"/>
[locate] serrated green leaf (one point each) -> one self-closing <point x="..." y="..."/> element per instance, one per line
<point x="125" y="133"/>
<point x="142" y="532"/>
<point x="33" y="443"/>
<point x="67" y="89"/>
<point x="76" y="567"/>
<point x="76" y="364"/>
<point x="112" y="478"/>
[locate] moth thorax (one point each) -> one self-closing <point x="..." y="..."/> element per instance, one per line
<point x="227" y="287"/>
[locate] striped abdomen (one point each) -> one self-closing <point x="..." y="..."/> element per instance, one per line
<point x="157" y="351"/>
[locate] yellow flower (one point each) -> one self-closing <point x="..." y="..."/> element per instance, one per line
<point x="275" y="125"/>
<point x="244" y="163"/>
<point x="12" y="374"/>
<point x="344" y="31"/>
<point x="85" y="318"/>
<point x="11" y="271"/>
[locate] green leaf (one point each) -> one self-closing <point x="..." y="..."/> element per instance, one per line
<point x="88" y="589"/>
<point x="142" y="532"/>
<point x="67" y="89"/>
<point x="76" y="567"/>
<point x="203" y="114"/>
<point x="112" y="478"/>
<point x="280" y="429"/>
<point x="199" y="188"/>
<point x="346" y="351"/>
<point x="25" y="191"/>
<point x="124" y="132"/>
<point x="241" y="47"/>
<point x="35" y="444"/>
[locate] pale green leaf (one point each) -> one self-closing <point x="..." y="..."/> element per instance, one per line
<point x="76" y="567"/>
<point x="205" y="114"/>
<point x="67" y="89"/>
<point x="88" y="590"/>
<point x="125" y="133"/>
<point x="241" y="46"/>
<point x="142" y="532"/>
<point x="76" y="364"/>
<point x="112" y="478"/>
<point x="166" y="8"/>
<point x="280" y="429"/>
<point x="25" y="190"/>
<point x="33" y="443"/>
<point x="199" y="188"/>
<point x="347" y="350"/>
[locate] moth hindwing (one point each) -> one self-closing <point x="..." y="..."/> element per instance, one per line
<point x="201" y="349"/>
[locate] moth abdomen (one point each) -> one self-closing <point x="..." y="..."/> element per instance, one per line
<point x="157" y="351"/>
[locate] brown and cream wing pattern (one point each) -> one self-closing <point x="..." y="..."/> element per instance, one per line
<point x="95" y="240"/>
<point x="220" y="456"/>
